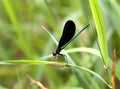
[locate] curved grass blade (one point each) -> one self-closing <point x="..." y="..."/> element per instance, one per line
<point x="92" y="72"/>
<point x="98" y="19"/>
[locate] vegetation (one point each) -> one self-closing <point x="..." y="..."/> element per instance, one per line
<point x="30" y="30"/>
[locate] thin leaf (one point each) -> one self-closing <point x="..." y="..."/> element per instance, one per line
<point x="98" y="19"/>
<point x="92" y="72"/>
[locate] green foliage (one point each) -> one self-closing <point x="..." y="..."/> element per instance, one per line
<point x="98" y="19"/>
<point x="29" y="30"/>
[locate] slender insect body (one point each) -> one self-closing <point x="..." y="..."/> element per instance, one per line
<point x="67" y="36"/>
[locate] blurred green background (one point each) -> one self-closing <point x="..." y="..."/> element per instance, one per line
<point x="23" y="38"/>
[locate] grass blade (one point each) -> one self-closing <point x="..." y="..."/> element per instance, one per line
<point x="98" y="19"/>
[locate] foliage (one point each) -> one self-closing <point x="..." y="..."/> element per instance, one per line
<point x="28" y="33"/>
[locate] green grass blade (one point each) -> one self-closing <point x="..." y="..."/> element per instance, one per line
<point x="29" y="62"/>
<point x="42" y="4"/>
<point x="92" y="72"/>
<point x="98" y="19"/>
<point x="85" y="49"/>
<point x="22" y="39"/>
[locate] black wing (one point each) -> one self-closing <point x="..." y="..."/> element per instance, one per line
<point x="68" y="33"/>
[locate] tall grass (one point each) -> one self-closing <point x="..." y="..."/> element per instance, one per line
<point x="26" y="47"/>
